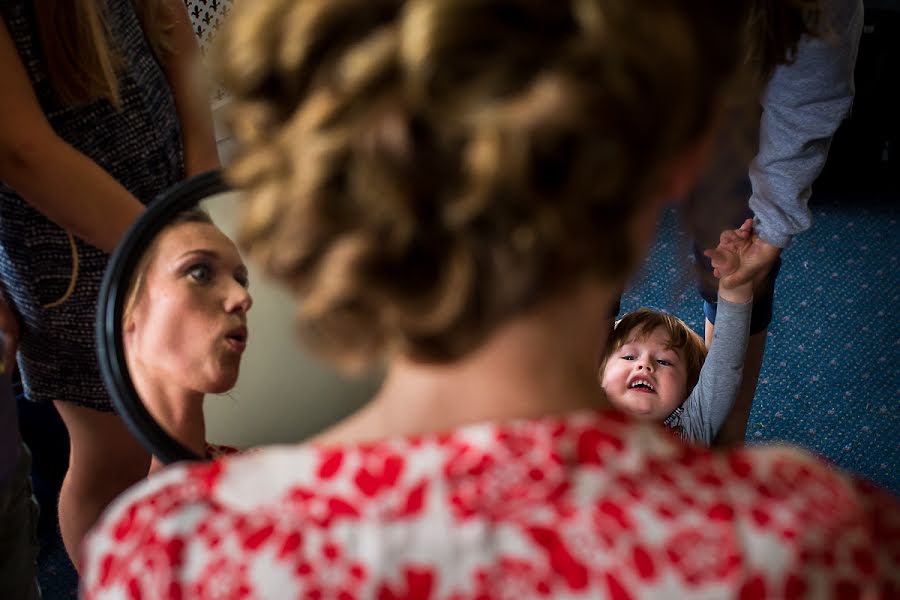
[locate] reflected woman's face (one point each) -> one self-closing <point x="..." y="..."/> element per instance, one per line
<point x="188" y="327"/>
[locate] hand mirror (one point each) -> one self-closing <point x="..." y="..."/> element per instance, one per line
<point x="282" y="394"/>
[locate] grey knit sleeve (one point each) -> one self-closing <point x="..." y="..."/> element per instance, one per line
<point x="703" y="413"/>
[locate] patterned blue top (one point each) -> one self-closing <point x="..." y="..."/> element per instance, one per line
<point x="139" y="145"/>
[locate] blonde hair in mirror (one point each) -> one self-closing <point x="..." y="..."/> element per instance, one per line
<point x="420" y="172"/>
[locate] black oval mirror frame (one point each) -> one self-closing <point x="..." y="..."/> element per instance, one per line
<point x="111" y="303"/>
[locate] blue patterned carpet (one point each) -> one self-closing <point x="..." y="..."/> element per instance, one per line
<point x="830" y="380"/>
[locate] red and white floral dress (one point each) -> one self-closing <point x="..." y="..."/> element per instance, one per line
<point x="589" y="505"/>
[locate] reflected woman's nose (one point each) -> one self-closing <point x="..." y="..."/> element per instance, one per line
<point x="238" y="299"/>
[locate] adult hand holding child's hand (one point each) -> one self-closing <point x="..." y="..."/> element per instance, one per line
<point x="739" y="260"/>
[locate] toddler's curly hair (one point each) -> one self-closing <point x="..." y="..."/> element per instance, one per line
<point x="418" y="172"/>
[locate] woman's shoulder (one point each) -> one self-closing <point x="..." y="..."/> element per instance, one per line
<point x="814" y="498"/>
<point x="567" y="501"/>
<point x="593" y="453"/>
<point x="785" y="472"/>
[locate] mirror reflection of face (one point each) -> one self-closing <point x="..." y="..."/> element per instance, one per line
<point x="646" y="377"/>
<point x="188" y="325"/>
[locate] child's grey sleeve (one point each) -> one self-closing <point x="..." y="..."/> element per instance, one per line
<point x="711" y="400"/>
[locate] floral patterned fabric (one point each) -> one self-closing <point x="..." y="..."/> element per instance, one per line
<point x="589" y="505"/>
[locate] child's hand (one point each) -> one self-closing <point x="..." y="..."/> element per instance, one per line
<point x="740" y="258"/>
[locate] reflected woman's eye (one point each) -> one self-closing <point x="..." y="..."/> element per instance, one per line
<point x="628" y="357"/>
<point x="200" y="272"/>
<point x="664" y="362"/>
<point x="242" y="279"/>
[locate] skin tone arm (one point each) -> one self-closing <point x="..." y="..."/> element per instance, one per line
<point x="192" y="103"/>
<point x="60" y="182"/>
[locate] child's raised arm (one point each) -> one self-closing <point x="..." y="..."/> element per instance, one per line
<point x="737" y="261"/>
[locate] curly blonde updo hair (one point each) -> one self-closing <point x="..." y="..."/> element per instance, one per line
<point x="418" y="172"/>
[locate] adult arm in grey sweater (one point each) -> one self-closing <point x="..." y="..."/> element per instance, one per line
<point x="702" y="414"/>
<point x="803" y="104"/>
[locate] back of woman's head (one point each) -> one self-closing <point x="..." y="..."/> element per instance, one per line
<point x="419" y="172"/>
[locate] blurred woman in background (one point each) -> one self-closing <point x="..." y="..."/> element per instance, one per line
<point x="100" y="112"/>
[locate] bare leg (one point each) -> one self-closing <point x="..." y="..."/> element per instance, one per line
<point x="105" y="460"/>
<point x="734" y="430"/>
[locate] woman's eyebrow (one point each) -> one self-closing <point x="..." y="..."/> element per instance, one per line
<point x="200" y="251"/>
<point x="240" y="268"/>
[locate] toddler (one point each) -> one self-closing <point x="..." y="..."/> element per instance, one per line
<point x="658" y="369"/>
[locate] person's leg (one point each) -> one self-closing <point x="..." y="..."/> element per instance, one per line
<point x="44" y="432"/>
<point x="104" y="460"/>
<point x="18" y="534"/>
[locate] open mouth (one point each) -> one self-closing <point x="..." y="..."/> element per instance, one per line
<point x="641" y="385"/>
<point x="237" y="338"/>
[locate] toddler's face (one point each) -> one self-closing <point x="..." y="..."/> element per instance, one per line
<point x="645" y="377"/>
